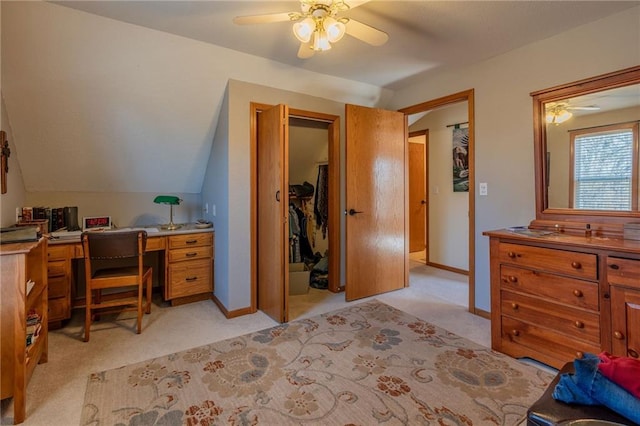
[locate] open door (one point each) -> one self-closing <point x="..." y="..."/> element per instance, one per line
<point x="273" y="205"/>
<point x="417" y="192"/>
<point x="376" y="202"/>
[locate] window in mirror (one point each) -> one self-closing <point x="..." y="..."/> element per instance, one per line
<point x="602" y="168"/>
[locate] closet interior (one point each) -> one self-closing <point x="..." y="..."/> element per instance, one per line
<point x="308" y="205"/>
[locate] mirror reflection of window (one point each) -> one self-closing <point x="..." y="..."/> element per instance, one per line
<point x="603" y="168"/>
<point x="591" y="114"/>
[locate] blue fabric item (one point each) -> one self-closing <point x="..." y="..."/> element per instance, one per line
<point x="588" y="386"/>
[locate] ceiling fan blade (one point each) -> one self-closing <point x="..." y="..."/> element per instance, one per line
<point x="585" y="108"/>
<point x="305" y="51"/>
<point x="355" y="3"/>
<point x="366" y="33"/>
<point x="262" y="19"/>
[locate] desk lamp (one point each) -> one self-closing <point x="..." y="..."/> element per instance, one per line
<point x="172" y="201"/>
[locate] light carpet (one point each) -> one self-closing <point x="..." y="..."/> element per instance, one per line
<point x="365" y="364"/>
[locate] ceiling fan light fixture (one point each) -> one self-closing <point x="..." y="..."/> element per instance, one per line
<point x="335" y="29"/>
<point x="557" y="116"/>
<point x="321" y="41"/>
<point x="304" y="29"/>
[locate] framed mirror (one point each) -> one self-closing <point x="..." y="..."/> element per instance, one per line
<point x="587" y="165"/>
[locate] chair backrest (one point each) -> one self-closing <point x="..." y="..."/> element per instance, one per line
<point x="114" y="245"/>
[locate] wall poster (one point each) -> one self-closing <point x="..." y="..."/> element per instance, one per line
<point x="460" y="159"/>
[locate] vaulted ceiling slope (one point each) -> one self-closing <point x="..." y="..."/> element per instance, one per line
<point x="97" y="104"/>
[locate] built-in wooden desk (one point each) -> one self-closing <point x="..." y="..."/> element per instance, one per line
<point x="186" y="271"/>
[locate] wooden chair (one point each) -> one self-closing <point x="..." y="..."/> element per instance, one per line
<point x="114" y="260"/>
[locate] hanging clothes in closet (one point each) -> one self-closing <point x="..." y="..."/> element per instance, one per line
<point x="321" y="202"/>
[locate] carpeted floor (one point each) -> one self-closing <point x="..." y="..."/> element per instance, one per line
<point x="364" y="364"/>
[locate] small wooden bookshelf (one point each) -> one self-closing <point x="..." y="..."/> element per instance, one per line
<point x="24" y="330"/>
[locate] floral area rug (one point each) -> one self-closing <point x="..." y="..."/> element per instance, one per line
<point x="363" y="365"/>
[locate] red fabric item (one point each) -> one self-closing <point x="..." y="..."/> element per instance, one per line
<point x="623" y="371"/>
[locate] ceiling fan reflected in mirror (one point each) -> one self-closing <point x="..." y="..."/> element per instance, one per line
<point x="559" y="112"/>
<point x="319" y="24"/>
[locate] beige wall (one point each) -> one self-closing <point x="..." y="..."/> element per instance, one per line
<point x="233" y="254"/>
<point x="15" y="195"/>
<point x="503" y="114"/>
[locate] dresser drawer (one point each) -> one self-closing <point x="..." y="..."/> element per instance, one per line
<point x="523" y="339"/>
<point x="190" y="240"/>
<point x="59" y="309"/>
<point x="192" y="253"/>
<point x="571" y="291"/>
<point x="572" y="322"/>
<point x="624" y="272"/>
<point x="189" y="278"/>
<point x="581" y="265"/>
<point x="57" y="268"/>
<point x="57" y="252"/>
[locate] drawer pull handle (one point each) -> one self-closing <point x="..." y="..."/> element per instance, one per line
<point x="513" y="279"/>
<point x="614" y="266"/>
<point x="579" y="355"/>
<point x="191" y="254"/>
<point x="618" y="335"/>
<point x="191" y="241"/>
<point x="511" y="254"/>
<point x="515" y="306"/>
<point x="632" y="353"/>
<point x="579" y="324"/>
<point x="516" y="332"/>
<point x="190" y="279"/>
<point x="576" y="265"/>
<point x="577" y="293"/>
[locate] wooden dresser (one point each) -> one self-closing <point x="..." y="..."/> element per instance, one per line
<point x="557" y="296"/>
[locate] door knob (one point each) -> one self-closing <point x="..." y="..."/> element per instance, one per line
<point x="353" y="212"/>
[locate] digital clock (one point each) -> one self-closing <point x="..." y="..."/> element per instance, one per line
<point x="96" y="222"/>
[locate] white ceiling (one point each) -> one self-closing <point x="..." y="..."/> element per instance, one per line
<point x="424" y="36"/>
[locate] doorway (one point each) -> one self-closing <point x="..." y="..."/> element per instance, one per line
<point x="271" y="249"/>
<point x="459" y="200"/>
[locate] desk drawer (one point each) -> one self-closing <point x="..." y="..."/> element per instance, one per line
<point x="58" y="287"/>
<point x="190" y="240"/>
<point x="59" y="309"/>
<point x="192" y="253"/>
<point x="57" y="268"/>
<point x="155" y="244"/>
<point x="580" y="293"/>
<point x="579" y="265"/>
<point x="189" y="278"/>
<point x="55" y="252"/>
<point x="624" y="272"/>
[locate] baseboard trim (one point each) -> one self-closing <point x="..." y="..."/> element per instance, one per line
<point x="231" y="314"/>
<point x="448" y="268"/>
<point x="482" y="313"/>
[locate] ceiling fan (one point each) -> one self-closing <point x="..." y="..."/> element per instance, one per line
<point x="318" y="24"/>
<point x="559" y="112"/>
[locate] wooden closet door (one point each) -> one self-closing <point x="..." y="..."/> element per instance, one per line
<point x="376" y="202"/>
<point x="273" y="212"/>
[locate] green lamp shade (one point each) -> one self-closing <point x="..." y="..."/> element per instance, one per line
<point x="167" y="199"/>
